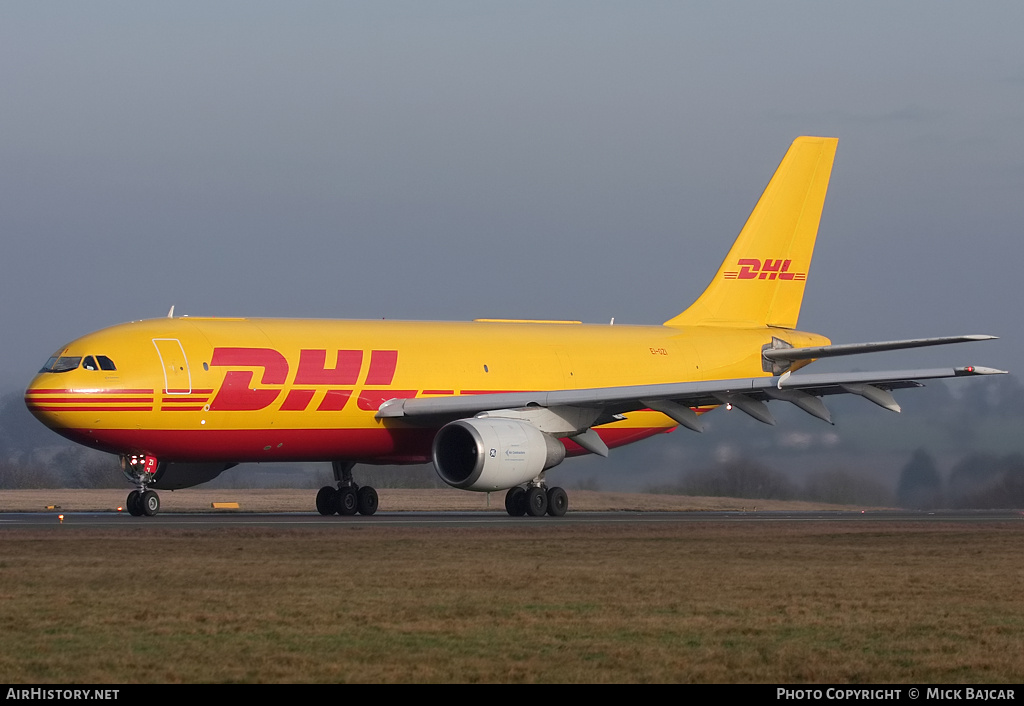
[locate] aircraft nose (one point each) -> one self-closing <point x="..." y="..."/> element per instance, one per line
<point x="36" y="396"/>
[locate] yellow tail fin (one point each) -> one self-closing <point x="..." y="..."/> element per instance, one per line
<point x="762" y="279"/>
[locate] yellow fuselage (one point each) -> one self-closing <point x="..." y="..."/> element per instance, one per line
<point x="197" y="389"/>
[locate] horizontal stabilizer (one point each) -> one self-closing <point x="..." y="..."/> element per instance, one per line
<point x="790" y="354"/>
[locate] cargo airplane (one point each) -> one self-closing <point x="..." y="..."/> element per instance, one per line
<point x="494" y="404"/>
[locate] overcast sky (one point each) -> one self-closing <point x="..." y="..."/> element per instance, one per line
<point x="453" y="160"/>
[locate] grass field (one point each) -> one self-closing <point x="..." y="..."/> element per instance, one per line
<point x="691" y="602"/>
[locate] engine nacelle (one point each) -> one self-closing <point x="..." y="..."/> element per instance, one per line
<point x="493" y="454"/>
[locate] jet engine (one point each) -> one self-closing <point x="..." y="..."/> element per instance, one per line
<point x="493" y="454"/>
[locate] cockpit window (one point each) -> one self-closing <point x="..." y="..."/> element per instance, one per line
<point x="62" y="364"/>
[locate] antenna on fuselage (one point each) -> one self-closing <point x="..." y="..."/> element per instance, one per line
<point x="170" y="314"/>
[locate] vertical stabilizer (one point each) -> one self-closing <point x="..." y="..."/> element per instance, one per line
<point x="762" y="279"/>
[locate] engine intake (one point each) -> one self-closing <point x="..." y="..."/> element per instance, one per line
<point x="493" y="454"/>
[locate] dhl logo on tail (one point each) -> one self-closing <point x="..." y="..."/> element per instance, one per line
<point x="769" y="269"/>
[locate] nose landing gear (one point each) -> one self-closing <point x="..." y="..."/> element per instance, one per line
<point x="143" y="503"/>
<point x="140" y="470"/>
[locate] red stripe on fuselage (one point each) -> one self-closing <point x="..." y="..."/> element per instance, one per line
<point x="381" y="445"/>
<point x="98" y="399"/>
<point x="87" y="408"/>
<point x="68" y="391"/>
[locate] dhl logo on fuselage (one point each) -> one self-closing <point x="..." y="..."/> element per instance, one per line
<point x="238" y="394"/>
<point x="764" y="269"/>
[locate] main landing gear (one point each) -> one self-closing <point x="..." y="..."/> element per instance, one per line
<point x="140" y="470"/>
<point x="536" y="501"/>
<point x="348" y="498"/>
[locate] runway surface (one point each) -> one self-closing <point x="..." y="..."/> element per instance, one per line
<point x="37" y="520"/>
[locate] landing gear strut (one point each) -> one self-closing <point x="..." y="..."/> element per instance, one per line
<point x="348" y="498"/>
<point x="536" y="501"/>
<point x="140" y="470"/>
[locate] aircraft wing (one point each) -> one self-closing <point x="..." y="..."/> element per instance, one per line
<point x="677" y="400"/>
